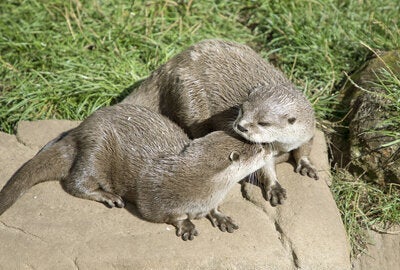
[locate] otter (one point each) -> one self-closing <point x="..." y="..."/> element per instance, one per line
<point x="129" y="153"/>
<point x="223" y="85"/>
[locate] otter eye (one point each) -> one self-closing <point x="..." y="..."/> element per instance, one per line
<point x="291" y="120"/>
<point x="264" y="124"/>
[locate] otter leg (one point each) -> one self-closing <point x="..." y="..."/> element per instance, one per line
<point x="184" y="228"/>
<point x="275" y="193"/>
<point x="223" y="222"/>
<point x="303" y="163"/>
<point x="89" y="189"/>
<point x="87" y="181"/>
<point x="283" y="157"/>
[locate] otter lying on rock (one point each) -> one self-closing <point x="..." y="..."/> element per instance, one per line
<point x="222" y="85"/>
<point x="127" y="152"/>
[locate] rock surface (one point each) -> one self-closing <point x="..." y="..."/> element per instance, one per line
<point x="383" y="253"/>
<point x="49" y="229"/>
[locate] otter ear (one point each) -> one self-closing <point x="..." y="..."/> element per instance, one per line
<point x="234" y="156"/>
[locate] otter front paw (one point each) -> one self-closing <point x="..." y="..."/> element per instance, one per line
<point x="186" y="230"/>
<point x="109" y="199"/>
<point x="305" y="167"/>
<point x="224" y="223"/>
<point x="276" y="194"/>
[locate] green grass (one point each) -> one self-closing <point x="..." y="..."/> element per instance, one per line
<point x="65" y="59"/>
<point x="389" y="82"/>
<point x="315" y="42"/>
<point x="365" y="206"/>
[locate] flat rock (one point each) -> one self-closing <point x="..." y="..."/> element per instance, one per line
<point x="50" y="229"/>
<point x="383" y="251"/>
<point x="35" y="134"/>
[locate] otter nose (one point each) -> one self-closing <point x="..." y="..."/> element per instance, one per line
<point x="241" y="128"/>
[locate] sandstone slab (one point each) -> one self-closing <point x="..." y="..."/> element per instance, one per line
<point x="383" y="251"/>
<point x="49" y="229"/>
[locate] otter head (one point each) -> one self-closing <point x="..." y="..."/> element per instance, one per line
<point x="224" y="152"/>
<point x="245" y="158"/>
<point x="277" y="115"/>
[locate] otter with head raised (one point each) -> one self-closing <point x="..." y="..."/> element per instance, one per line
<point x="222" y="85"/>
<point x="127" y="152"/>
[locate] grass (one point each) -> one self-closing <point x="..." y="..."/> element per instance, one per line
<point x="65" y="59"/>
<point x="365" y="206"/>
<point x="315" y="42"/>
<point x="389" y="82"/>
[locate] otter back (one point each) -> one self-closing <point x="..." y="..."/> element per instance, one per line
<point x="222" y="85"/>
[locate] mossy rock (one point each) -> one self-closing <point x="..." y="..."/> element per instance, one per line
<point x="369" y="111"/>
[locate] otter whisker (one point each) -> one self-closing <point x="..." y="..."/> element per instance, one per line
<point x="252" y="178"/>
<point x="273" y="146"/>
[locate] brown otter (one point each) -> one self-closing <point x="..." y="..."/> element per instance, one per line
<point x="222" y="85"/>
<point x="127" y="152"/>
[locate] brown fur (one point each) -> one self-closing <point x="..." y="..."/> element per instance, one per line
<point x="221" y="85"/>
<point x="129" y="152"/>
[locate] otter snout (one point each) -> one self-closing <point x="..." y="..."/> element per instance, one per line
<point x="241" y="125"/>
<point x="241" y="128"/>
<point x="251" y="132"/>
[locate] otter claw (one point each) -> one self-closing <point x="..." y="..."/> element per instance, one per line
<point x="186" y="230"/>
<point x="112" y="200"/>
<point x="189" y="235"/>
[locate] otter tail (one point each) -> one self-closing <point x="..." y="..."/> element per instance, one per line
<point x="52" y="162"/>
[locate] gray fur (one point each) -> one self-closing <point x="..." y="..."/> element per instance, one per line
<point x="222" y="85"/>
<point x="127" y="152"/>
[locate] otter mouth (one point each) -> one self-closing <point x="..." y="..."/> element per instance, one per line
<point x="263" y="142"/>
<point x="251" y="138"/>
<point x="242" y="134"/>
<point x="246" y="134"/>
<point x="238" y="131"/>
